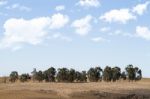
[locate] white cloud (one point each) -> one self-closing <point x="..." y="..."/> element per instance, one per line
<point x="18" y="6"/>
<point x="60" y="8"/>
<point x="121" y="15"/>
<point x="61" y="37"/>
<point x="140" y="8"/>
<point x="21" y="31"/>
<point x="83" y="25"/>
<point x="104" y="29"/>
<point x="89" y="3"/>
<point x="99" y="39"/>
<point x="128" y="35"/>
<point x="18" y="31"/>
<point x="16" y="48"/>
<point x="121" y="33"/>
<point x="117" y="32"/>
<point x="58" y="21"/>
<point x="143" y="32"/>
<point x="3" y="2"/>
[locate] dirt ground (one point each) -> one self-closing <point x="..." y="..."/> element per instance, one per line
<point x="99" y="90"/>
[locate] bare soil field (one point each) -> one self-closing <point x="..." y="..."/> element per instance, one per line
<point x="99" y="90"/>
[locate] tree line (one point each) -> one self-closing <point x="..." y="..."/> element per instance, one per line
<point x="94" y="74"/>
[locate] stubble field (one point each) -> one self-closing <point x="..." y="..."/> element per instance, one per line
<point x="91" y="90"/>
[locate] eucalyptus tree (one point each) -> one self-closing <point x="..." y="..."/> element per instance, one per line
<point x="94" y="74"/>
<point x="34" y="74"/>
<point x="116" y="73"/>
<point x="138" y="73"/>
<point x="13" y="76"/>
<point x="81" y="76"/>
<point x="62" y="75"/>
<point x="49" y="74"/>
<point x="131" y="72"/>
<point x="107" y="74"/>
<point x="39" y="76"/>
<point x="78" y="76"/>
<point x="71" y="75"/>
<point x="123" y="75"/>
<point x="24" y="77"/>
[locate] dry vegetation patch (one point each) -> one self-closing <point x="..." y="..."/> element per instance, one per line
<point x="91" y="90"/>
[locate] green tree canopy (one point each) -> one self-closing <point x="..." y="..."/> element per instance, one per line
<point x="13" y="76"/>
<point x="94" y="74"/>
<point x="49" y="74"/>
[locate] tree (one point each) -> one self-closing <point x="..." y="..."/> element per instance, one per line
<point x="24" y="77"/>
<point x="94" y="74"/>
<point x="107" y="74"/>
<point x="34" y="74"/>
<point x="131" y="72"/>
<point x="123" y="76"/>
<point x="116" y="73"/>
<point x="138" y="74"/>
<point x="39" y="76"/>
<point x="49" y="75"/>
<point x="78" y="76"/>
<point x="72" y="75"/>
<point x="81" y="76"/>
<point x="62" y="75"/>
<point x="13" y="76"/>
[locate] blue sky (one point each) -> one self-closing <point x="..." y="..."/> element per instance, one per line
<point x="74" y="33"/>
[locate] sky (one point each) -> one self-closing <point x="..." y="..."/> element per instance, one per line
<point x="75" y="34"/>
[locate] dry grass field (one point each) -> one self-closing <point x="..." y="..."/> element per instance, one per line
<point x="99" y="90"/>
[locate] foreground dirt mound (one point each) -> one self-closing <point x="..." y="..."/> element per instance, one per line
<point x="106" y="95"/>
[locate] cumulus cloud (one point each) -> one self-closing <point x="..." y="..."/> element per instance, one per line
<point x="121" y="15"/>
<point x="18" y="31"/>
<point x="141" y="8"/>
<point x="124" y="15"/>
<point x="61" y="37"/>
<point x="116" y="32"/>
<point x="104" y="29"/>
<point x="18" y="6"/>
<point x="33" y="32"/>
<point x="121" y="33"/>
<point x="58" y="20"/>
<point x="99" y="39"/>
<point x="89" y="3"/>
<point x="60" y="8"/>
<point x="143" y="32"/>
<point x="83" y="25"/>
